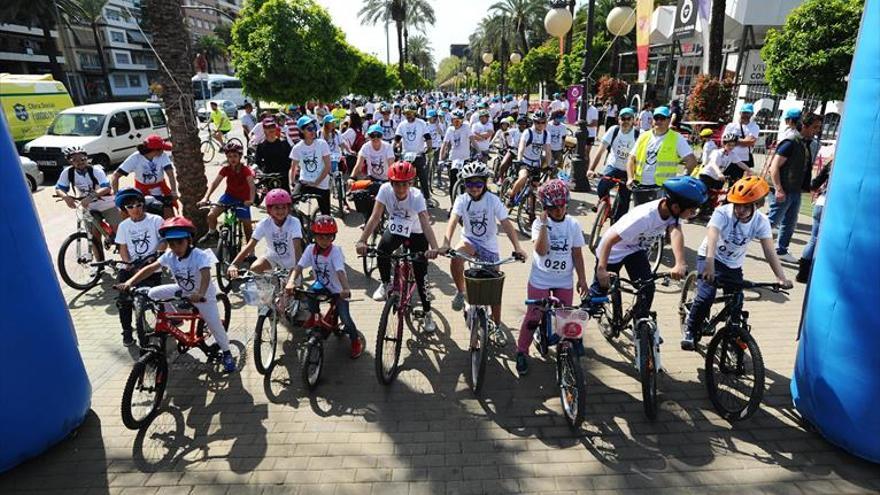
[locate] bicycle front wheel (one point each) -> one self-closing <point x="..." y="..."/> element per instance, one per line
<point x="734" y="374"/>
<point x="572" y="387"/>
<point x="265" y="341"/>
<point x="74" y="262"/>
<point x="479" y="349"/>
<point x="525" y="216"/>
<point x="312" y="362"/>
<point x="647" y="369"/>
<point x="208" y="150"/>
<point x="144" y="389"/>
<point x="602" y="217"/>
<point x="339" y="190"/>
<point x="225" y="254"/>
<point x="686" y="299"/>
<point x="389" y="341"/>
<point x="655" y="254"/>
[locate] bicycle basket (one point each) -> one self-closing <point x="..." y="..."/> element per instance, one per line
<point x="257" y="292"/>
<point x="250" y="293"/>
<point x="570" y="323"/>
<point x="483" y="287"/>
<point x="644" y="194"/>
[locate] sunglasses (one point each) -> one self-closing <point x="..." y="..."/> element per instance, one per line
<point x="375" y="136"/>
<point x="626" y="118"/>
<point x="132" y="206"/>
<point x="475" y="184"/>
<point x="173" y="242"/>
<point x="660" y="118"/>
<point x="310" y="128"/>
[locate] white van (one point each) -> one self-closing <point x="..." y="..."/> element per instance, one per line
<point x="109" y="132"/>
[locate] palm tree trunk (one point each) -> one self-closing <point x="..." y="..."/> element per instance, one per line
<point x="405" y="44"/>
<point x="400" y="53"/>
<point x="172" y="43"/>
<point x="716" y="37"/>
<point x="522" y="38"/>
<point x="105" y="74"/>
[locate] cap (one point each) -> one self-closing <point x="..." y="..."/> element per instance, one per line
<point x="663" y="111"/>
<point x="155" y="142"/>
<point x="793" y="114"/>
<point x="747" y="108"/>
<point x="627" y="111"/>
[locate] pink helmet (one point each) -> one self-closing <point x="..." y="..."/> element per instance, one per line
<point x="278" y="197"/>
<point x="554" y="193"/>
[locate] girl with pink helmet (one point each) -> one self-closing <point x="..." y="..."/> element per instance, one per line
<point x="282" y="233"/>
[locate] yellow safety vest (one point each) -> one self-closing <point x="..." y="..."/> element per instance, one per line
<point x="667" y="157"/>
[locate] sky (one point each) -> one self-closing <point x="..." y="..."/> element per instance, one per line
<point x="456" y="20"/>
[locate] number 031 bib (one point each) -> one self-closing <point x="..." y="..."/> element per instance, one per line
<point x="400" y="225"/>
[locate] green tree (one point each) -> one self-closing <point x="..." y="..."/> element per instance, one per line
<point x="213" y="48"/>
<point x="419" y="15"/>
<point x="522" y="15"/>
<point x="421" y="54"/>
<point x="539" y="64"/>
<point x="224" y="32"/>
<point x="812" y="53"/>
<point x="372" y="77"/>
<point x="375" y="11"/>
<point x="291" y="51"/>
<point x="447" y="68"/>
<point x="412" y="79"/>
<point x="710" y="99"/>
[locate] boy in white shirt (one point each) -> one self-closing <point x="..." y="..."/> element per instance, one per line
<point x="557" y="130"/>
<point x="721" y="164"/>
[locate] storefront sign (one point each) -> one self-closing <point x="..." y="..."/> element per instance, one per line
<point x="753" y="72"/>
<point x="685" y="19"/>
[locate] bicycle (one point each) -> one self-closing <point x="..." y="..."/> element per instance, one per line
<point x="563" y="328"/>
<point x="75" y="260"/>
<point x="266" y="292"/>
<point x="263" y="183"/>
<point x="396" y="313"/>
<point x="337" y="183"/>
<point x="642" y="194"/>
<point x="149" y="375"/>
<point x="645" y="333"/>
<point x="210" y="145"/>
<point x="369" y="261"/>
<point x="526" y="201"/>
<point x="229" y="242"/>
<point x="731" y="349"/>
<point x="484" y="285"/>
<point x="605" y="212"/>
<point x="324" y="325"/>
<point x="305" y="217"/>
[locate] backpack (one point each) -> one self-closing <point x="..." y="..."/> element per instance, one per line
<point x="531" y="135"/>
<point x="359" y="140"/>
<point x="617" y="131"/>
<point x="89" y="170"/>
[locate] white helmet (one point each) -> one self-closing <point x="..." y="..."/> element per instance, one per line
<point x="474" y="169"/>
<point x="73" y="150"/>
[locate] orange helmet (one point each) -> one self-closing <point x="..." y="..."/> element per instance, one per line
<point x="748" y="190"/>
<point x="401" y="172"/>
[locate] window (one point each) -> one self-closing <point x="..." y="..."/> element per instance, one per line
<point x="686" y="76"/>
<point x="232" y="83"/>
<point x="120" y="81"/>
<point x="117" y="36"/>
<point x="122" y="57"/>
<point x="119" y="121"/>
<point x="112" y="15"/>
<point x="157" y="117"/>
<point x="140" y="119"/>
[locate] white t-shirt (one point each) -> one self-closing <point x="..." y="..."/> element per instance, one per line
<point x="494" y="110"/>
<point x="645" y="120"/>
<point x="334" y="142"/>
<point x="682" y="148"/>
<point x="718" y="162"/>
<point x="403" y="216"/>
<point x="83" y="185"/>
<point x="311" y="161"/>
<point x="377" y="160"/>
<point x="557" y="135"/>
<point x="558" y="105"/>
<point x="708" y="148"/>
<point x="480" y="218"/>
<point x="186" y="271"/>
<point x="279" y="240"/>
<point x="612" y="111"/>
<point x="459" y="142"/>
<point x="141" y="238"/>
<point x="509" y="106"/>
<point x="638" y="230"/>
<point x="480" y="128"/>
<point x="592" y="114"/>
<point x="438" y="131"/>
<point x="248" y="121"/>
<point x="741" y="153"/>
<point x="618" y="151"/>
<point x="554" y="271"/>
<point x="534" y="152"/>
<point x="412" y="135"/>
<point x="147" y="171"/>
<point x="349" y="136"/>
<point x="325" y="266"/>
<point x="513" y="136"/>
<point x="734" y="235"/>
<point x="523" y="106"/>
<point x="369" y="108"/>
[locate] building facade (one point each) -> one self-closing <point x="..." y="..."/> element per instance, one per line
<point x="26" y="50"/>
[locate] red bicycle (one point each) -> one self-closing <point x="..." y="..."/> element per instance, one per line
<point x="146" y="383"/>
<point x="318" y="330"/>
<point x="605" y="211"/>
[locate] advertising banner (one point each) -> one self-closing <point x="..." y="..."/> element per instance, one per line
<point x="685" y="19"/>
<point x="573" y="95"/>
<point x="644" y="9"/>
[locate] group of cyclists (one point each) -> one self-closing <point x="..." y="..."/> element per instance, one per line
<point x="390" y="150"/>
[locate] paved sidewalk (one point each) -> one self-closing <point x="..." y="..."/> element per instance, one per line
<point x="427" y="432"/>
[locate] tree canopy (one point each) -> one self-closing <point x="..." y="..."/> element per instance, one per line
<point x="372" y="77"/>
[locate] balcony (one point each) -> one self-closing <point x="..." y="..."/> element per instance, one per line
<point x="29" y="56"/>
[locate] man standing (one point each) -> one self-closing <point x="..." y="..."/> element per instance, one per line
<point x="646" y="120"/>
<point x="523" y="105"/>
<point x="559" y="103"/>
<point x="657" y="153"/>
<point x="592" y="129"/>
<point x="248" y="122"/>
<point x="790" y="174"/>
<point x="748" y="135"/>
<point x="273" y="154"/>
<point x="413" y="136"/>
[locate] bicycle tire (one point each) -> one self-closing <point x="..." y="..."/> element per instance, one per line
<point x="143" y="328"/>
<point x="647" y="370"/>
<point x="723" y="340"/>
<point x="505" y="188"/>
<point x="224" y="251"/>
<point x="655" y="254"/>
<point x="609" y="322"/>
<point x="386" y="376"/>
<point x="686" y="298"/>
<point x="312" y="362"/>
<point x="479" y="353"/>
<point x="208" y="150"/>
<point x="135" y="380"/>
<point x="458" y="189"/>
<point x="225" y="310"/>
<point x="370" y="262"/>
<point x="525" y="216"/>
<point x="568" y="369"/>
<point x="265" y="342"/>
<point x="64" y="270"/>
<point x="602" y="216"/>
<point x="340" y="194"/>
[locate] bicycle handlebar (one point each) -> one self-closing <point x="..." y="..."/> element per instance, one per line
<point x="482" y="263"/>
<point x="637" y="285"/>
<point x="405" y="256"/>
<point x="555" y="303"/>
<point x="746" y="284"/>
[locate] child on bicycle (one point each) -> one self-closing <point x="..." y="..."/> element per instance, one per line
<point x="191" y="269"/>
<point x="282" y="233"/>
<point x="479" y="211"/>
<point x="723" y="251"/>
<point x="328" y="265"/>
<point x="713" y="172"/>
<point x="310" y="164"/>
<point x="407" y="220"/>
<point x="618" y="141"/>
<point x="557" y="255"/>
<point x="139" y="243"/>
<point x="151" y="166"/>
<point x="240" y="190"/>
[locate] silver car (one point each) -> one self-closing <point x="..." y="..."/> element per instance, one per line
<point x="32" y="173"/>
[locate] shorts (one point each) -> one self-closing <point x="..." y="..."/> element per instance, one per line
<point x="276" y="261"/>
<point x="242" y="212"/>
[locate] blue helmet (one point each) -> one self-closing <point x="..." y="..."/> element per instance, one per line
<point x="304" y="121"/>
<point x="662" y="111"/>
<point x="375" y="128"/>
<point x="432" y="113"/>
<point x="686" y="191"/>
<point x="124" y="195"/>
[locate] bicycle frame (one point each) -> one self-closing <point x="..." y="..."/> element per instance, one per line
<point x="403" y="285"/>
<point x="190" y="338"/>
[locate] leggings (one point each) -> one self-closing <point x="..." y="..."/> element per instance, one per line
<point x="706" y="292"/>
<point x="533" y="313"/>
<point x="208" y="311"/>
<point x="342" y="309"/>
<point x="418" y="243"/>
<point x="323" y="201"/>
<point x="124" y="301"/>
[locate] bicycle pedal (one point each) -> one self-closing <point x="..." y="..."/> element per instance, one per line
<point x="418" y="313"/>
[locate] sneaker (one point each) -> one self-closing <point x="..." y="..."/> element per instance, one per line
<point x="522" y="363"/>
<point x="687" y="340"/>
<point x="428" y="324"/>
<point x="209" y="236"/>
<point x="787" y="257"/>
<point x="228" y="362"/>
<point x="458" y="301"/>
<point x="357" y="347"/>
<point x="379" y="295"/>
<point x="127" y="340"/>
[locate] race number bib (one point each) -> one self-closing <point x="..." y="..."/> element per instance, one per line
<point x="399" y="225"/>
<point x="558" y="264"/>
<point x="310" y="169"/>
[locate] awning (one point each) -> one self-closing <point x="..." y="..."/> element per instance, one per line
<point x="136" y="37"/>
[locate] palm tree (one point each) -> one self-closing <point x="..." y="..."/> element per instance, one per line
<point x="522" y="14"/>
<point x="716" y="37"/>
<point x="213" y="48"/>
<point x="421" y="54"/>
<point x="487" y="37"/>
<point x="375" y="11"/>
<point x="419" y="15"/>
<point x="91" y="13"/>
<point x="43" y="13"/>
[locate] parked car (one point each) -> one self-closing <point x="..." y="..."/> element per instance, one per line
<point x="109" y="132"/>
<point x="32" y="173"/>
<point x="227" y="106"/>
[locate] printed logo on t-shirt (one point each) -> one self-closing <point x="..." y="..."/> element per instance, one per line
<point x="185" y="280"/>
<point x="322" y="272"/>
<point x="279" y="243"/>
<point x="479" y="223"/>
<point x="456" y="140"/>
<point x="410" y="134"/>
<point x="310" y="163"/>
<point x="140" y="241"/>
<point x="559" y="244"/>
<point x="377" y="167"/>
<point x="150" y="173"/>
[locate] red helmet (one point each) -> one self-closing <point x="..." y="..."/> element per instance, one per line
<point x="401" y="172"/>
<point x="324" y="224"/>
<point x="177" y="228"/>
<point x="553" y="193"/>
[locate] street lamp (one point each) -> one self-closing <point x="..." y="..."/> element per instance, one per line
<point x="488" y="58"/>
<point x="515" y="58"/>
<point x="620" y="21"/>
<point x="558" y="20"/>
